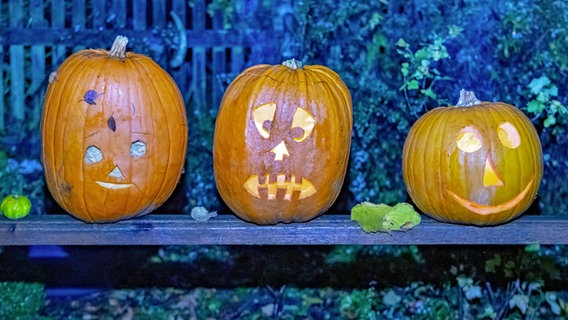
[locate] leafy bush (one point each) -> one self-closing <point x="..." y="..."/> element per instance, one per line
<point x="20" y="300"/>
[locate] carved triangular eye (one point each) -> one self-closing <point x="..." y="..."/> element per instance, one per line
<point x="263" y="116"/>
<point x="304" y="120"/>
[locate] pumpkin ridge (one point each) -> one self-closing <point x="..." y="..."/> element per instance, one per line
<point x="80" y="67"/>
<point x="164" y="77"/>
<point x="152" y="110"/>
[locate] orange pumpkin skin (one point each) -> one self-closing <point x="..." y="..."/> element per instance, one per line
<point x="478" y="164"/>
<point x="114" y="134"/>
<point x="281" y="142"/>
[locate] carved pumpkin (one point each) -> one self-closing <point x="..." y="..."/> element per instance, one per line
<point x="114" y="134"/>
<point x="476" y="163"/>
<point x="281" y="142"/>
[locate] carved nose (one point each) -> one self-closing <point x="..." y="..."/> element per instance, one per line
<point x="116" y="173"/>
<point x="490" y="177"/>
<point x="280" y="151"/>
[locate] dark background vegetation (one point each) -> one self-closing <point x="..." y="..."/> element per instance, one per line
<point x="399" y="60"/>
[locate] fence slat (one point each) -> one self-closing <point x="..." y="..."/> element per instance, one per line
<point x="37" y="69"/>
<point x="57" y="23"/>
<point x="139" y="15"/>
<point x="219" y="66"/>
<point x="17" y="80"/>
<point x="119" y="12"/>
<point x="158" y="14"/>
<point x="2" y="90"/>
<point x="181" y="74"/>
<point x="79" y="20"/>
<point x="199" y="70"/>
<point x="99" y="14"/>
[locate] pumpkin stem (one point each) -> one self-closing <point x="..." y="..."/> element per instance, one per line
<point x="118" y="48"/>
<point x="467" y="99"/>
<point x="292" y="63"/>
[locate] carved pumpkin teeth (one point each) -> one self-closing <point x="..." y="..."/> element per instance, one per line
<point x="253" y="186"/>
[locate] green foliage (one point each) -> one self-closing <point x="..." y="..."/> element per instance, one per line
<point x="21" y="177"/>
<point x="19" y="300"/>
<point x="419" y="68"/>
<point x="545" y="104"/>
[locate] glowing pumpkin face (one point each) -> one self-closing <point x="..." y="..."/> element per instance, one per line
<point x="114" y="134"/>
<point x="475" y="163"/>
<point x="281" y="144"/>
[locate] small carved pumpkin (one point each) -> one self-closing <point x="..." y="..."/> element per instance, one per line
<point x="114" y="133"/>
<point x="476" y="163"/>
<point x="281" y="142"/>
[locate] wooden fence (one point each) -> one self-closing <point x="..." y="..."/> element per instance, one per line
<point x="200" y="47"/>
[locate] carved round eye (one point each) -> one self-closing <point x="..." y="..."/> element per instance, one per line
<point x="93" y="155"/>
<point x="297" y="133"/>
<point x="137" y="148"/>
<point x="509" y="135"/>
<point x="469" y="139"/>
<point x="263" y="116"/>
<point x="304" y="121"/>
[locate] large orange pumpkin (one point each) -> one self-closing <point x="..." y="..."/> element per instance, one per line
<point x="114" y="134"/>
<point x="476" y="163"/>
<point x="281" y="143"/>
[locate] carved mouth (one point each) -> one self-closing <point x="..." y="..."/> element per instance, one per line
<point x="305" y="188"/>
<point x="486" y="210"/>
<point x="109" y="185"/>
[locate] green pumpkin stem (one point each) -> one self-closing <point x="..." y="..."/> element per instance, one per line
<point x="118" y="49"/>
<point x="293" y="64"/>
<point x="467" y="99"/>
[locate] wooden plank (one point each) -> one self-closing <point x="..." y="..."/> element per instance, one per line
<point x="2" y="90"/>
<point x="17" y="80"/>
<point x="99" y="14"/>
<point x="38" y="66"/>
<point x="199" y="60"/>
<point x="181" y="73"/>
<point x="119" y="13"/>
<point x="139" y="15"/>
<point x="78" y="21"/>
<point x="219" y="67"/>
<point x="62" y="229"/>
<point x="158" y="14"/>
<point x="57" y="23"/>
<point x="94" y="38"/>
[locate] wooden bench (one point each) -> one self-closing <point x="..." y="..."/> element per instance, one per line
<point x="181" y="229"/>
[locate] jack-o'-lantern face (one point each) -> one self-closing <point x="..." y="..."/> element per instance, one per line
<point x="280" y="149"/>
<point x="469" y="141"/>
<point x="275" y="149"/>
<point x="114" y="134"/>
<point x="474" y="164"/>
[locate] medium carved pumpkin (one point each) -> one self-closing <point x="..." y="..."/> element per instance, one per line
<point x="114" y="134"/>
<point x="476" y="163"/>
<point x="281" y="142"/>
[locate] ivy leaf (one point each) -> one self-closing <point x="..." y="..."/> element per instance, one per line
<point x="412" y="85"/>
<point x="383" y="218"/>
<point x="429" y="93"/>
<point x="536" y="85"/>
<point x="401" y="43"/>
<point x="519" y="301"/>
